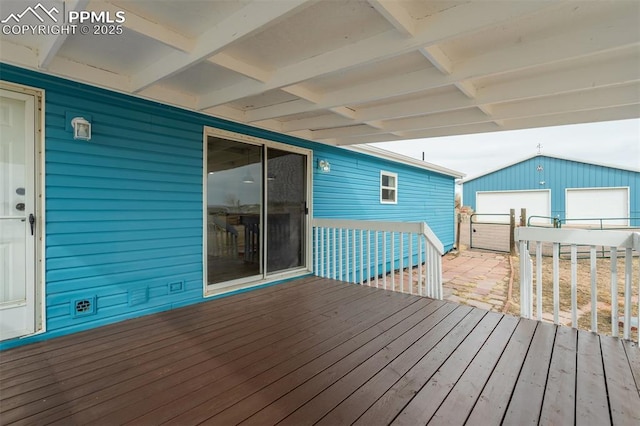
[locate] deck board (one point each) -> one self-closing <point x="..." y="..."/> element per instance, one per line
<point x="462" y="398"/>
<point x="494" y="399"/>
<point x="591" y="392"/>
<point x="320" y="351"/>
<point x="623" y="401"/>
<point x="633" y="354"/>
<point x="429" y="398"/>
<point x="559" y="397"/>
<point x="526" y="401"/>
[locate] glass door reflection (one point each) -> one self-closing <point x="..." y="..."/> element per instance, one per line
<point x="234" y="211"/>
<point x="286" y="210"/>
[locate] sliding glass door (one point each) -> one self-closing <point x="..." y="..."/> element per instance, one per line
<point x="234" y="210"/>
<point x="256" y="206"/>
<point x="286" y="210"/>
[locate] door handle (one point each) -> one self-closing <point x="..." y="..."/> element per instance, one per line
<point x="32" y="223"/>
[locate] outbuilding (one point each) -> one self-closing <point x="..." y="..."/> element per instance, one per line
<point x="553" y="187"/>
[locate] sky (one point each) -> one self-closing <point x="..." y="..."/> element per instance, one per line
<point x="615" y="143"/>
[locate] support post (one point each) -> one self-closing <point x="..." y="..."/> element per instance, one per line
<point x="512" y="229"/>
<point x="523" y="217"/>
<point x="458" y="231"/>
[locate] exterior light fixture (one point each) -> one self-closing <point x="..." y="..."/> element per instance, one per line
<point x="81" y="128"/>
<point x="248" y="178"/>
<point x="324" y="166"/>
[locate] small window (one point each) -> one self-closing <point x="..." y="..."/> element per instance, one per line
<point x="388" y="188"/>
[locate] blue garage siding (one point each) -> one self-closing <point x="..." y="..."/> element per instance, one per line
<point x="557" y="174"/>
<point x="124" y="222"/>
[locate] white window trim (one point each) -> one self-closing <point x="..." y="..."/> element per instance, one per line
<point x="394" y="188"/>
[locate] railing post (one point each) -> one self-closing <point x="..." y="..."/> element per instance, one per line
<point x="524" y="285"/>
<point x="315" y="252"/>
<point x="614" y="292"/>
<point x="512" y="228"/>
<point x="594" y="290"/>
<point x="628" y="277"/>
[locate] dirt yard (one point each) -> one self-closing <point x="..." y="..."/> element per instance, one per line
<point x="583" y="291"/>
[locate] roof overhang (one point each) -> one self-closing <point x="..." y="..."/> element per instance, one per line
<point x="353" y="72"/>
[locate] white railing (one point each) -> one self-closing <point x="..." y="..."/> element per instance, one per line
<point x="398" y="256"/>
<point x="615" y="241"/>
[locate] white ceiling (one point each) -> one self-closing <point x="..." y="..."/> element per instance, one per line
<point x="354" y="71"/>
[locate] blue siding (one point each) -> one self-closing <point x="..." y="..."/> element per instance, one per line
<point x="124" y="211"/>
<point x="352" y="191"/>
<point x="558" y="174"/>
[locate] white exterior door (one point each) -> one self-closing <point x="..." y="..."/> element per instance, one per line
<point x="17" y="206"/>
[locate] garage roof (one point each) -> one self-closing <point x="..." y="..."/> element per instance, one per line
<point x="354" y="71"/>
<point x="575" y="160"/>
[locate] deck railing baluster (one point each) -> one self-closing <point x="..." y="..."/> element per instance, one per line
<point x="628" y="274"/>
<point x="539" y="281"/>
<point x="610" y="241"/>
<point x="556" y="283"/>
<point x="341" y="253"/>
<point x="574" y="285"/>
<point x="401" y="267"/>
<point x="614" y="292"/>
<point x="393" y="262"/>
<point x="594" y="289"/>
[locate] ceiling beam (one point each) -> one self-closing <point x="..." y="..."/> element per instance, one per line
<point x="438" y="58"/>
<point x="53" y="43"/>
<point x="227" y="112"/>
<point x="608" y="97"/>
<point x="397" y="15"/>
<point x="449" y="24"/>
<point x="367" y="92"/>
<point x="531" y="54"/>
<point x="251" y="19"/>
<point x="252" y="71"/>
<point x="566" y="79"/>
<point x="605" y="72"/>
<point x="323" y="121"/>
<point x="576" y="117"/>
<point x="146" y="27"/>
<point x="303" y="92"/>
<point x="16" y="54"/>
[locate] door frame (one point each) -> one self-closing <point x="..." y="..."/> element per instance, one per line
<point x="265" y="278"/>
<point x="40" y="201"/>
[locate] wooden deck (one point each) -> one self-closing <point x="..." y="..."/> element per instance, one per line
<point x="320" y="351"/>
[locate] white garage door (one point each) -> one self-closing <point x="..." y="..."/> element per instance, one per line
<point x="593" y="204"/>
<point x="537" y="203"/>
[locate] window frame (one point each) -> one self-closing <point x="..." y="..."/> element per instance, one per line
<point x="391" y="188"/>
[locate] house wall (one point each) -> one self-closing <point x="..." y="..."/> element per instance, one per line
<point x="558" y="174"/>
<point x="124" y="211"/>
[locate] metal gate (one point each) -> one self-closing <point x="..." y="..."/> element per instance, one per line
<point x="489" y="232"/>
